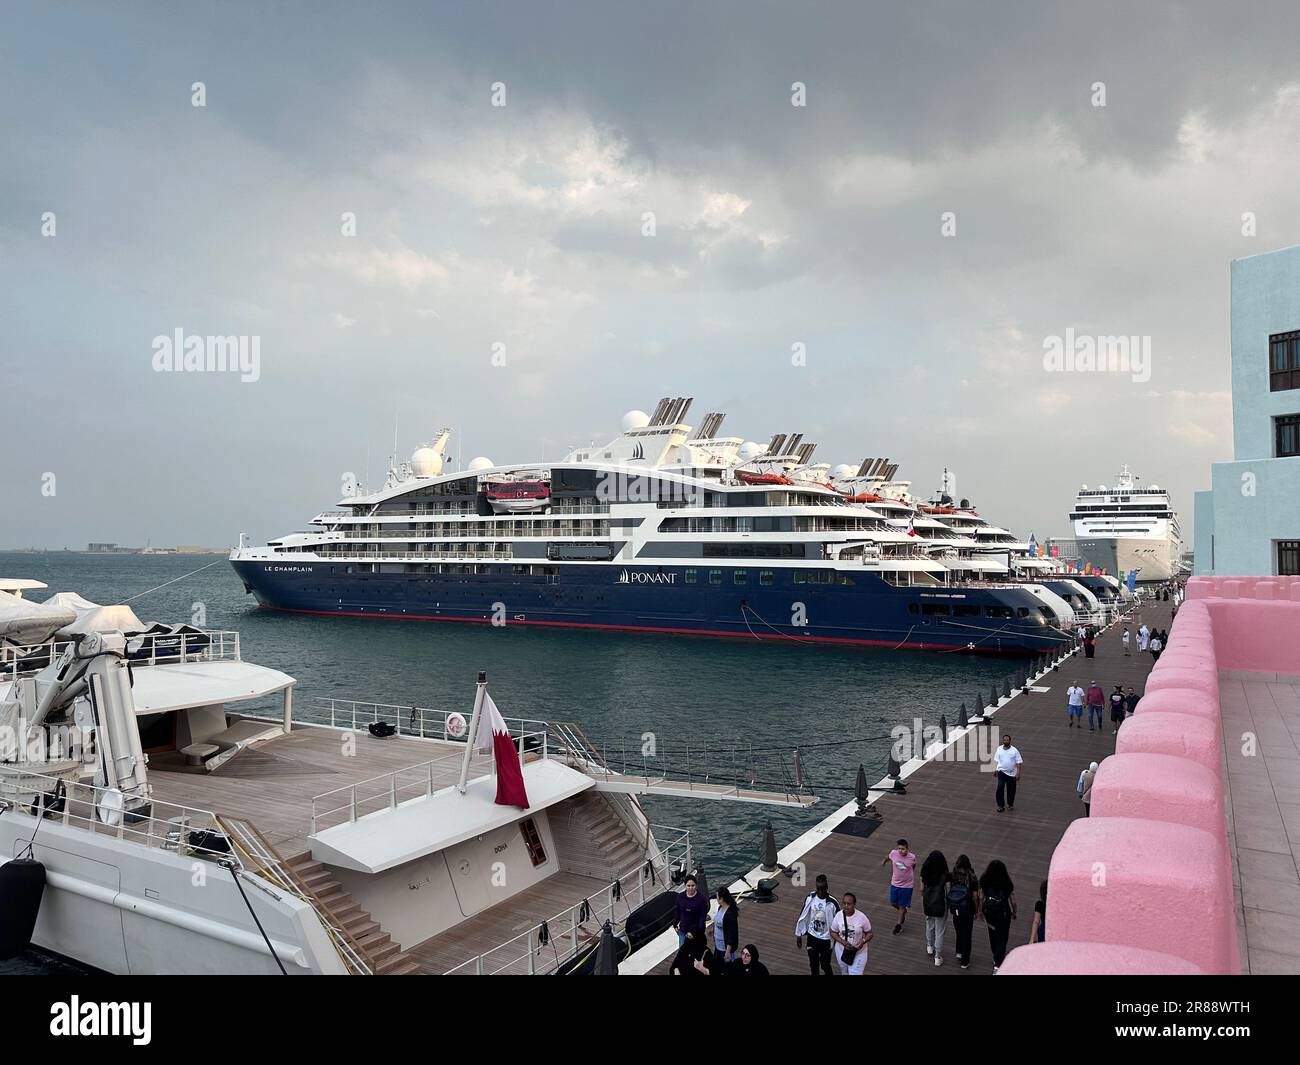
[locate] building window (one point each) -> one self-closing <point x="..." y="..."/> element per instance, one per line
<point x="1288" y="558"/>
<point x="1284" y="361"/>
<point x="1286" y="433"/>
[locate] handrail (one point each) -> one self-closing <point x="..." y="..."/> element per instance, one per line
<point x="150" y="649"/>
<point x="171" y="831"/>
<point x="422" y="721"/>
<point x="387" y="791"/>
<point x="248" y="838"/>
<point x="664" y="856"/>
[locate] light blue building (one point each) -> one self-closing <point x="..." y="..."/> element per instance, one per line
<point x="1248" y="524"/>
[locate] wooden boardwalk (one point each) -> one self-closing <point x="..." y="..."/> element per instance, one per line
<point x="949" y="806"/>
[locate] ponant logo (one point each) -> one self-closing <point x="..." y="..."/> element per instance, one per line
<point x="637" y="576"/>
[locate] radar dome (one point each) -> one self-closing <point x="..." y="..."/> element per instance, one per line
<point x="480" y="463"/>
<point x="1155" y="488"/>
<point x="635" y="419"/>
<point x="750" y="450"/>
<point x="843" y="470"/>
<point x="426" y="462"/>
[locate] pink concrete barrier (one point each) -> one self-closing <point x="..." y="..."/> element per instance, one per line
<point x="1147" y="884"/>
<point x="1182" y="735"/>
<point x="1160" y="787"/>
<point x="1093" y="959"/>
<point x="1193" y="701"/>
<point x="1181" y="678"/>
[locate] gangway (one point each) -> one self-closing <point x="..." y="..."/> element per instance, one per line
<point x="736" y="774"/>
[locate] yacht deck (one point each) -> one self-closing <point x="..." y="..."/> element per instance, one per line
<point x="272" y="783"/>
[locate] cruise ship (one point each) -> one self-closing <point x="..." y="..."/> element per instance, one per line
<point x="1125" y="526"/>
<point x="668" y="529"/>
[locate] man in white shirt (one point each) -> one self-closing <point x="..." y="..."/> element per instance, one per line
<point x="851" y="931"/>
<point x="819" y="909"/>
<point x="1074" y="708"/>
<point x="1125" y="639"/>
<point x="1009" y="765"/>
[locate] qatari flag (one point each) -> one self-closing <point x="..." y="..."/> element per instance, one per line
<point x="493" y="735"/>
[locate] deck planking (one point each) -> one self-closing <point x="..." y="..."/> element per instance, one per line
<point x="272" y="783"/>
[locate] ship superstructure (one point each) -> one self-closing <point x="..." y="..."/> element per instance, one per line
<point x="1127" y="526"/>
<point x="665" y="528"/>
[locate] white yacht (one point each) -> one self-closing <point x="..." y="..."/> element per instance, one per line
<point x="1125" y="526"/>
<point x="163" y="810"/>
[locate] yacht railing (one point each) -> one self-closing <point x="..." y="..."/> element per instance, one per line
<point x="421" y="721"/>
<point x="150" y="649"/>
<point x="389" y="790"/>
<point x="581" y="923"/>
<point x="163" y="825"/>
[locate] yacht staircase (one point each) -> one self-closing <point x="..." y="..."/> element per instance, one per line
<point x="365" y="948"/>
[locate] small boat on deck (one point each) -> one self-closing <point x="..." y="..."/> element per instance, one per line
<point x="513" y="497"/>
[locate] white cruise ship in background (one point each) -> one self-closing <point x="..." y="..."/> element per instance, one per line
<point x="1126" y="526"/>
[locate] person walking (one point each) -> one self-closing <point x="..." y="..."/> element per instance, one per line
<point x="1157" y="645"/>
<point x="692" y="913"/>
<point x="1124" y="639"/>
<point x="964" y="905"/>
<point x="819" y="908"/>
<point x="726" y="927"/>
<point x="1038" y="927"/>
<point x="1096" y="699"/>
<point x="1144" y="638"/>
<point x="935" y="881"/>
<point x="1009" y="765"/>
<point x="998" y="908"/>
<point x="1131" y="699"/>
<point x="1084" y="787"/>
<point x="902" y="877"/>
<point x="1089" y="645"/>
<point x="1074" y="705"/>
<point x="852" y="932"/>
<point x="1116" y="709"/>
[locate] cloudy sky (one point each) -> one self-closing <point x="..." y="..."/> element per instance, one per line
<point x="521" y="229"/>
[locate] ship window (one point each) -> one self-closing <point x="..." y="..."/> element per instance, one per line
<point x="966" y="610"/>
<point x="739" y="576"/>
<point x="1287" y="432"/>
<point x="1023" y="612"/>
<point x="912" y="608"/>
<point x="690" y="576"/>
<point x="532" y="841"/>
<point x="1284" y="361"/>
<point x="715" y="576"/>
<point x="1288" y="558"/>
<point x="765" y="577"/>
<point x="935" y="609"/>
<point x="997" y="612"/>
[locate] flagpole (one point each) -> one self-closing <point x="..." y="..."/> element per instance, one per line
<point x="472" y="737"/>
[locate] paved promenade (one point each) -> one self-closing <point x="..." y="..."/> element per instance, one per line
<point x="950" y="806"/>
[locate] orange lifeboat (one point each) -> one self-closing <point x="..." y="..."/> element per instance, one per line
<point x="863" y="497"/>
<point x="762" y="478"/>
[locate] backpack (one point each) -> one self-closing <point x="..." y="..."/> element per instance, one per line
<point x="958" y="898"/>
<point x="997" y="910"/>
<point x="1078" y="790"/>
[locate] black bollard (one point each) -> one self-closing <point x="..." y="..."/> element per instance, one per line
<point x="993" y="700"/>
<point x="767" y="859"/>
<point x="943" y="727"/>
<point x="860" y="791"/>
<point x="962" y="720"/>
<point x="1006" y="689"/>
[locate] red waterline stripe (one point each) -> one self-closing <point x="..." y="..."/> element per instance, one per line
<point x="650" y="628"/>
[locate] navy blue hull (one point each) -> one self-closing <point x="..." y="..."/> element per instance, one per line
<point x="670" y="599"/>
